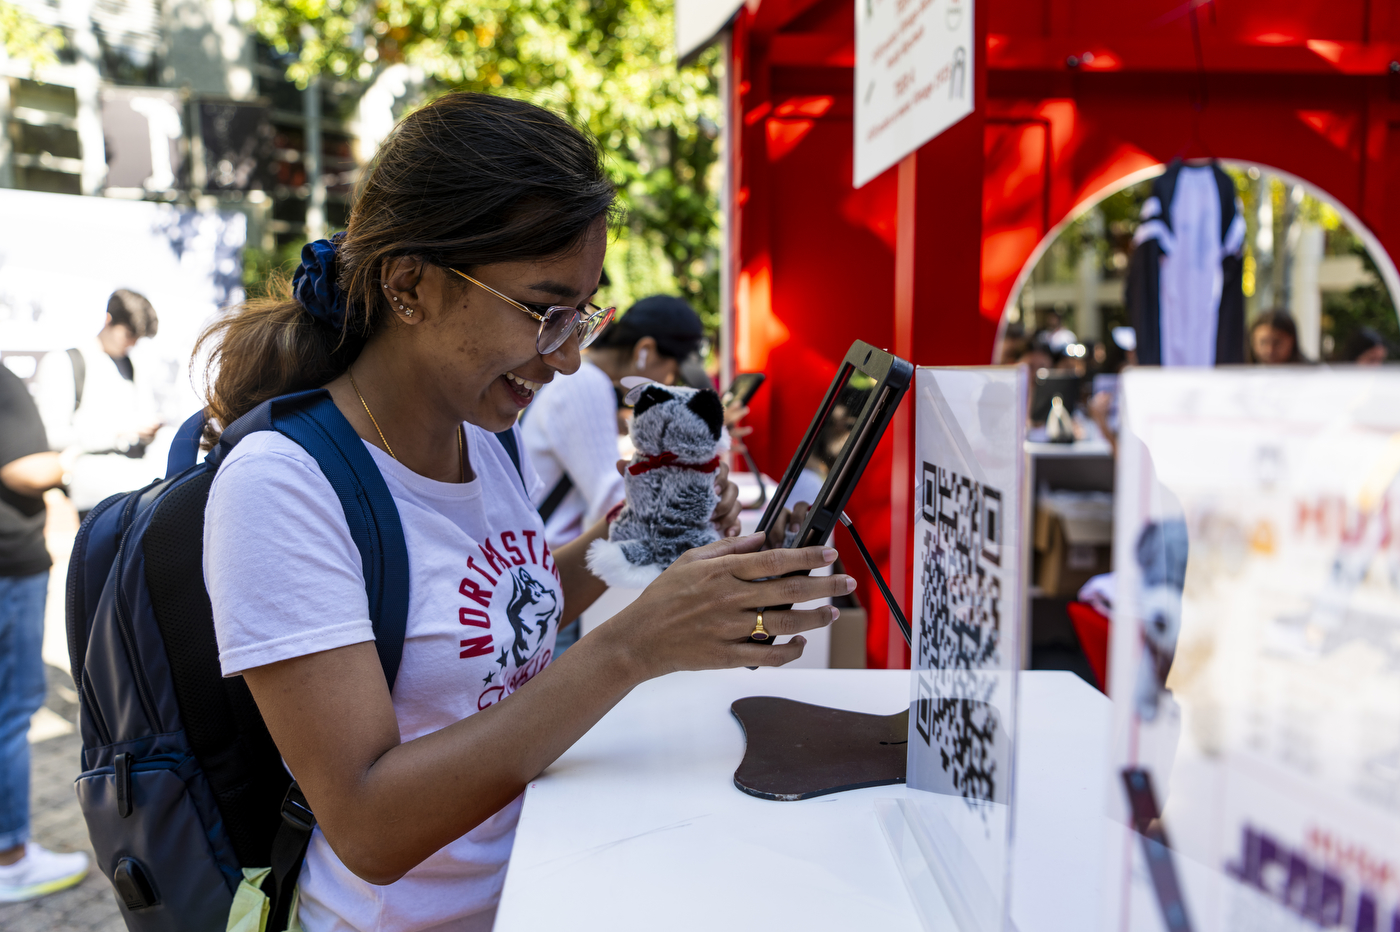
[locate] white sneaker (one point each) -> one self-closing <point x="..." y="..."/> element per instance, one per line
<point x="39" y="873"/>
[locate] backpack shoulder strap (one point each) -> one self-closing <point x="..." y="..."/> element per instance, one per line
<point x="556" y="496"/>
<point x="75" y="356"/>
<point x="323" y="431"/>
<point x="184" y="448"/>
<point x="507" y="439"/>
<point x="313" y="421"/>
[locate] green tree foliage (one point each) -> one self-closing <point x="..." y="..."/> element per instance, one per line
<point x="1366" y="305"/>
<point x="26" y="39"/>
<point x="607" y="64"/>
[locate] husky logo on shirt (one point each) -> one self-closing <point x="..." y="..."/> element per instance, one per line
<point x="531" y="602"/>
<point x="533" y="606"/>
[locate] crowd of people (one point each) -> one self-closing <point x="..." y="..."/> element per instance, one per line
<point x="1273" y="340"/>
<point x="1052" y="348"/>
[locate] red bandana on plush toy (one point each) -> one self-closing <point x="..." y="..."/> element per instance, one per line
<point x="671" y="494"/>
<point x="648" y="463"/>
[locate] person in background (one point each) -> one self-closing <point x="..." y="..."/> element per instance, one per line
<point x="1037" y="357"/>
<point x="1055" y="335"/>
<point x="571" y="428"/>
<point x="1273" y="339"/>
<point x="1013" y="345"/>
<point x="97" y="409"/>
<point x="1367" y="348"/>
<point x="27" y="470"/>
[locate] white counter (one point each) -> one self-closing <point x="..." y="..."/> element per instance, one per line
<point x="639" y="826"/>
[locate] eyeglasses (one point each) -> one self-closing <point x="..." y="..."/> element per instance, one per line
<point x="557" y="321"/>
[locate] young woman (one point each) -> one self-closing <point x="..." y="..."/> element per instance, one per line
<point x="479" y="216"/>
<point x="1273" y="339"/>
<point x="571" y="431"/>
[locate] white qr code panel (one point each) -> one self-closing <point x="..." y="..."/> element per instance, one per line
<point x="959" y="630"/>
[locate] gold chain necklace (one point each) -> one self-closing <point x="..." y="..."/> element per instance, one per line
<point x="461" y="452"/>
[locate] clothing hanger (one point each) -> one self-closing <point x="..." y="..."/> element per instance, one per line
<point x="1198" y="103"/>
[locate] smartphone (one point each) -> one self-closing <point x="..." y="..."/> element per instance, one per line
<point x="743" y="388"/>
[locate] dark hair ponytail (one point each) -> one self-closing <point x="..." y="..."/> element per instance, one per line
<point x="467" y="180"/>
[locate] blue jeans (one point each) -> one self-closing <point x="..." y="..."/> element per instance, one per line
<point x="21" y="694"/>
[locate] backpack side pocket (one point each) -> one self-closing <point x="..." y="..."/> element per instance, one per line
<point x="163" y="867"/>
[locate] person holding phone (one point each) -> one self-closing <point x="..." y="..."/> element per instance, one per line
<point x="463" y="284"/>
<point x="736" y="400"/>
<point x="571" y="430"/>
<point x="98" y="406"/>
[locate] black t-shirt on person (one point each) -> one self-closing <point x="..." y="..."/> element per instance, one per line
<point x="22" y="551"/>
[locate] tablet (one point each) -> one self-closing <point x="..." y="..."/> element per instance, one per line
<point x="841" y="438"/>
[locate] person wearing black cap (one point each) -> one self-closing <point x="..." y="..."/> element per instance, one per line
<point x="655" y="339"/>
<point x="571" y="429"/>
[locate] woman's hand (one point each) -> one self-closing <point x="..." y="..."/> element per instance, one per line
<point x="699" y="613"/>
<point x="726" y="516"/>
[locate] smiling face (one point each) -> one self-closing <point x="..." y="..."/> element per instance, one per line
<point x="473" y="353"/>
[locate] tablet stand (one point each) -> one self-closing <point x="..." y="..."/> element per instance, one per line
<point x="796" y="751"/>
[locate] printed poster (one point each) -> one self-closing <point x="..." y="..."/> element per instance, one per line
<point x="1255" y="660"/>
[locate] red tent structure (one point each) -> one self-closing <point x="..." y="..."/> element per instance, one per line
<point x="1074" y="99"/>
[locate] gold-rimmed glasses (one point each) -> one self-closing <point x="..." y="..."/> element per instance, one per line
<point x="557" y="321"/>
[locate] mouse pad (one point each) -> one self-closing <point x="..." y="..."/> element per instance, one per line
<point x="797" y="751"/>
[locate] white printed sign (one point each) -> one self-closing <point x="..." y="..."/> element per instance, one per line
<point x="1255" y="666"/>
<point x="913" y="77"/>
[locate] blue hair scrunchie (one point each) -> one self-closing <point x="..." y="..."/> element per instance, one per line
<point x="314" y="285"/>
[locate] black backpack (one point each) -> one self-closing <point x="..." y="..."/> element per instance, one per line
<point x="183" y="790"/>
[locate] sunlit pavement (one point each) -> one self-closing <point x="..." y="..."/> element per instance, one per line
<point x="58" y="823"/>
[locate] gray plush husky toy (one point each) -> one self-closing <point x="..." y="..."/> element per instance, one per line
<point x="670" y="483"/>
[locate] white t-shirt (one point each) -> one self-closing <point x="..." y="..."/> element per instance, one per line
<point x="572" y="427"/>
<point x="285" y="580"/>
<point x="113" y="413"/>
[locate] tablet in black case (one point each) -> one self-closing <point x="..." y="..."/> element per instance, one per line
<point x="842" y="437"/>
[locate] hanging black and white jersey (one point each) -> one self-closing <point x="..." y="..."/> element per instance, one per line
<point x="1183" y="293"/>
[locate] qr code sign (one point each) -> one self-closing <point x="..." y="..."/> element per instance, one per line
<point x="960" y="629"/>
<point x="961" y="605"/>
<point x="963" y="733"/>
